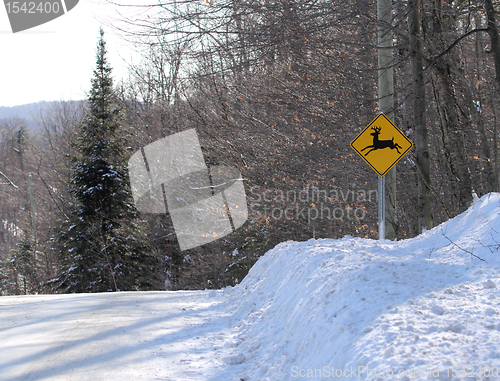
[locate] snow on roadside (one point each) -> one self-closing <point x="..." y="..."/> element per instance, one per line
<point x="422" y="308"/>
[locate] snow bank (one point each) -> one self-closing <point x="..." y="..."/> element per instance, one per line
<point x="422" y="308"/>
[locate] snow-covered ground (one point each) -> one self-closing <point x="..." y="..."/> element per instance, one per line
<point x="423" y="308"/>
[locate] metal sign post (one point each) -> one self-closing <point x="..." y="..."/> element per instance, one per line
<point x="381" y="207"/>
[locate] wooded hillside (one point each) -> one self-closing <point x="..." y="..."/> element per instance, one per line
<point x="276" y="90"/>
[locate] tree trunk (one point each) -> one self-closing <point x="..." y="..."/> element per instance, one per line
<point x="451" y="126"/>
<point x="424" y="207"/>
<point x="495" y="50"/>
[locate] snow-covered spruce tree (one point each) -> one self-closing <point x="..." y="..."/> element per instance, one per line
<point x="25" y="265"/>
<point x="5" y="279"/>
<point x="104" y="246"/>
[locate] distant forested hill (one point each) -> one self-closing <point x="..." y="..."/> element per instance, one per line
<point x="27" y="113"/>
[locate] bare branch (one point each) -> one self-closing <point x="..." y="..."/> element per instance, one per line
<point x="9" y="182"/>
<point x="433" y="60"/>
<point x="466" y="251"/>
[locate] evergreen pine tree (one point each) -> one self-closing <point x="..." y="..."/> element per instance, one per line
<point x="25" y="265"/>
<point x="5" y="277"/>
<point x="103" y="247"/>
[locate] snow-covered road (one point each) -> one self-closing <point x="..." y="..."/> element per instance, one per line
<point x="112" y="336"/>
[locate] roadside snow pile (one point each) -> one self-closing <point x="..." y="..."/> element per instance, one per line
<point x="422" y="308"/>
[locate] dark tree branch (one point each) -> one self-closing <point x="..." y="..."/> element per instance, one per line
<point x="433" y="60"/>
<point x="466" y="251"/>
<point x="9" y="181"/>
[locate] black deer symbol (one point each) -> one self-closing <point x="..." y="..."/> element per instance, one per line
<point x="379" y="144"/>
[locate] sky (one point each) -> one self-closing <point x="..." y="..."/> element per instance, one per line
<point x="54" y="61"/>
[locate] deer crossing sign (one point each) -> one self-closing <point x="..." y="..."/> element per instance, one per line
<point x="381" y="144"/>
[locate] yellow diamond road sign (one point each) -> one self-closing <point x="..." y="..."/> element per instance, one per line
<point x="381" y="144"/>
